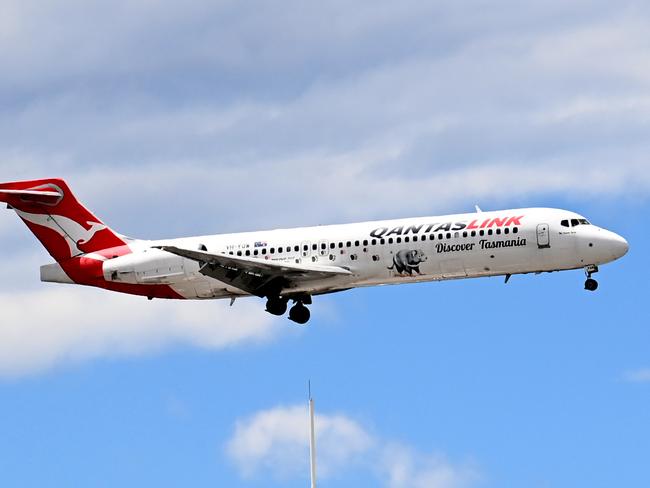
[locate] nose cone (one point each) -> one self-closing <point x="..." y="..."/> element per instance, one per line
<point x="618" y="245"/>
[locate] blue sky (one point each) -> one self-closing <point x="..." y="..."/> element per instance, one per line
<point x="172" y="120"/>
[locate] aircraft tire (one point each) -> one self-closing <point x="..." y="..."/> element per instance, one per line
<point x="591" y="284"/>
<point x="299" y="314"/>
<point x="276" y="306"/>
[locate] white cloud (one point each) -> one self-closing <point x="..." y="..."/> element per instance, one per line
<point x="531" y="108"/>
<point x="55" y="326"/>
<point x="637" y="375"/>
<point x="405" y="468"/>
<point x="275" y="442"/>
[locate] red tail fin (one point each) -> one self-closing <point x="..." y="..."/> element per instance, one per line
<point x="63" y="225"/>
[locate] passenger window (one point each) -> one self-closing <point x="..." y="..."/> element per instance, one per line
<point x="506" y="230"/>
<point x="238" y="253"/>
<point x="340" y="245"/>
<point x="314" y="247"/>
<point x="272" y="250"/>
<point x="440" y="236"/>
<point x="515" y="230"/>
<point x="248" y="253"/>
<point x="305" y="247"/>
<point x="365" y="242"/>
<point x="255" y="252"/>
<point x="456" y="235"/>
<point x="323" y="245"/>
<point x="332" y="245"/>
<point x="390" y="240"/>
<point x="374" y="242"/>
<point x="406" y="239"/>
<point x="448" y="235"/>
<point x="356" y="243"/>
<point x="481" y="232"/>
<point x="348" y="244"/>
<point x="489" y="232"/>
<point x="473" y="233"/>
<point x="499" y="232"/>
<point x="264" y="251"/>
<point x="464" y="234"/>
<point x="415" y="238"/>
<point x="432" y="237"/>
<point x="382" y="241"/>
<point x="296" y="248"/>
<point x="399" y="240"/>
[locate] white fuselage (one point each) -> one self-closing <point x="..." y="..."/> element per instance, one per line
<point x="387" y="252"/>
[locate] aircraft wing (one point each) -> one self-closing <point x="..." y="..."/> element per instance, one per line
<point x="255" y="276"/>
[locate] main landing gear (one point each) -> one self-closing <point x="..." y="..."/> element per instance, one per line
<point x="276" y="305"/>
<point x="298" y="313"/>
<point x="590" y="283"/>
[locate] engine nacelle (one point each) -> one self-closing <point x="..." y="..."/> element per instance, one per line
<point x="149" y="266"/>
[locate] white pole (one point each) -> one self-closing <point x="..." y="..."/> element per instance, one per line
<point x="312" y="443"/>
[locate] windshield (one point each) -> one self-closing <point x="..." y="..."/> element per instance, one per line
<point x="574" y="222"/>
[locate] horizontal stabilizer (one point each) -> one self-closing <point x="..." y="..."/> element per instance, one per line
<point x="45" y="196"/>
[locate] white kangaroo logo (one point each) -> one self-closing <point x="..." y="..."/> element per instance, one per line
<point x="73" y="232"/>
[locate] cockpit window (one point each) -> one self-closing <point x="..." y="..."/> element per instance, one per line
<point x="576" y="222"/>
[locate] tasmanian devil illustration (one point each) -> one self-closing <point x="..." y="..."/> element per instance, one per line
<point x="408" y="261"/>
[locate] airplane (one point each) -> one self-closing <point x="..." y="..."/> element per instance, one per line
<point x="294" y="265"/>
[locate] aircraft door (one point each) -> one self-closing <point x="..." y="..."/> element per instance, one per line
<point x="543" y="236"/>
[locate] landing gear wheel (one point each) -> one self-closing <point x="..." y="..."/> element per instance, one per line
<point x="299" y="314"/>
<point x="276" y="306"/>
<point x="591" y="284"/>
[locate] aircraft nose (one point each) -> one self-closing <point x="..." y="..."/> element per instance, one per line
<point x="619" y="245"/>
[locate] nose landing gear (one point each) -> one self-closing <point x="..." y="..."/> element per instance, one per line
<point x="590" y="283"/>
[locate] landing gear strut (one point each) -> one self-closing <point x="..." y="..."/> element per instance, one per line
<point x="590" y="283"/>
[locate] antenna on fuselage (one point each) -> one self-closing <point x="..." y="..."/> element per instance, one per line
<point x="478" y="209"/>
<point x="312" y="441"/>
